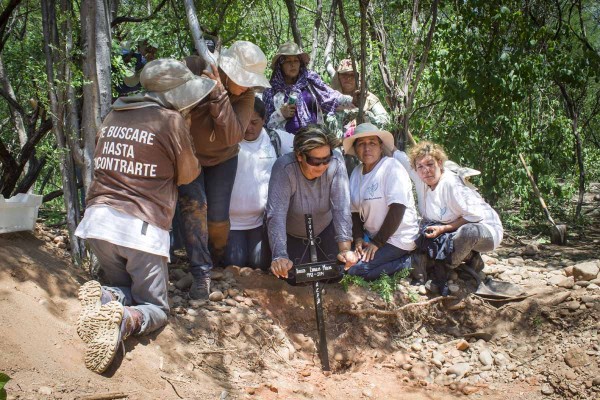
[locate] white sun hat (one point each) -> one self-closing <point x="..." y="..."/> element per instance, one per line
<point x="365" y="130"/>
<point x="245" y="64"/>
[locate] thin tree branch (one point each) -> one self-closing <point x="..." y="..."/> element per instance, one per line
<point x="120" y="20"/>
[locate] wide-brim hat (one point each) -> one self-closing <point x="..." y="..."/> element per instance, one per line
<point x="245" y="64"/>
<point x="344" y="67"/>
<point x="174" y="84"/>
<point x="290" y="49"/>
<point x="366" y="130"/>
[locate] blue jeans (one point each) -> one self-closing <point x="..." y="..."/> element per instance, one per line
<point x="388" y="260"/>
<point x="248" y="248"/>
<point x="204" y="212"/>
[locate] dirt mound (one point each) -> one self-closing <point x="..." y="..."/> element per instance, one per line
<point x="257" y="339"/>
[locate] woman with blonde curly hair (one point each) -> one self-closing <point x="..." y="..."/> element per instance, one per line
<point x="455" y="216"/>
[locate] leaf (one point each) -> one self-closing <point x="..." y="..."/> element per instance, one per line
<point x="3" y="380"/>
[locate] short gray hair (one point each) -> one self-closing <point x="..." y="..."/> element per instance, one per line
<point x="313" y="136"/>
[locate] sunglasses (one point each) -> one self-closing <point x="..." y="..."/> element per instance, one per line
<point x="316" y="161"/>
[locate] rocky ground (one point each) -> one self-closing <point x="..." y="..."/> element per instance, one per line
<point x="256" y="338"/>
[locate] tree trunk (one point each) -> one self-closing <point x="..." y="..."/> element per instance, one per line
<point x="364" y="5"/>
<point x="199" y="42"/>
<point x="57" y="101"/>
<point x="291" y="6"/>
<point x="96" y="46"/>
<point x="330" y="38"/>
<point x="316" y="27"/>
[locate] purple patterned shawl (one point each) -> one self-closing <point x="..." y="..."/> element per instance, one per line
<point x="326" y="97"/>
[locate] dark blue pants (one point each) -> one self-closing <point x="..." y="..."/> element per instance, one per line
<point x="204" y="211"/>
<point x="388" y="260"/>
<point x="248" y="248"/>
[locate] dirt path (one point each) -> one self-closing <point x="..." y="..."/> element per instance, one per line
<point x="258" y="342"/>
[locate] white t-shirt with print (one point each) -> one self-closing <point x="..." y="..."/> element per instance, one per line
<point x="371" y="195"/>
<point x="451" y="200"/>
<point x="251" y="185"/>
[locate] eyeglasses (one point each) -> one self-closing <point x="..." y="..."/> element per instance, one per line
<point x="316" y="161"/>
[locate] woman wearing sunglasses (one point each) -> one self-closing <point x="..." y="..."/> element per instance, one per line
<point x="311" y="180"/>
<point x="384" y="218"/>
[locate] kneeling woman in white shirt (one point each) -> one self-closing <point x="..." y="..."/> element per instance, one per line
<point x="382" y="205"/>
<point x="247" y="242"/>
<point x="446" y="200"/>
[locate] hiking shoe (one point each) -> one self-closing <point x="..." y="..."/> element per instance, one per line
<point x="104" y="327"/>
<point x="200" y="288"/>
<point x="90" y="297"/>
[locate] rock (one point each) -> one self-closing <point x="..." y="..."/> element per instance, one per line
<point x="197" y="303"/>
<point x="420" y="370"/>
<point x="417" y="346"/>
<point x="216" y="275"/>
<point x="45" y="390"/>
<point x="547" y="390"/>
<point x="530" y="250"/>
<point x="231" y="271"/>
<point x="176" y="274"/>
<point x="586" y="271"/>
<point x="593" y="286"/>
<point x="556" y="279"/>
<point x="453" y="276"/>
<point x="568" y="270"/>
<point x="191" y="312"/>
<point x="57" y="240"/>
<point x="422" y="290"/>
<point x="246" y="271"/>
<point x="576" y="357"/>
<point x="517" y="261"/>
<point x="500" y="359"/>
<point x="582" y="283"/>
<point x="231" y="302"/>
<point x="185" y="282"/>
<point x="401" y="358"/>
<point x="469" y="389"/>
<point x="438" y="357"/>
<point x="459" y="369"/>
<point x="232" y="329"/>
<point x="572" y="305"/>
<point x="486" y="357"/>
<point x="368" y="393"/>
<point x="453" y="288"/>
<point x="216" y="296"/>
<point x="462" y="345"/>
<point x="407" y="366"/>
<point x="443" y="380"/>
<point x="566" y="283"/>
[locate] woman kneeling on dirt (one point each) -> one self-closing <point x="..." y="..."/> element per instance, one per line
<point x="383" y="208"/>
<point x="311" y="180"/>
<point x="455" y="216"/>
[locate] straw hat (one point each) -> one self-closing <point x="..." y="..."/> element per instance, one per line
<point x="245" y="64"/>
<point x="174" y="84"/>
<point x="366" y="130"/>
<point x="290" y="49"/>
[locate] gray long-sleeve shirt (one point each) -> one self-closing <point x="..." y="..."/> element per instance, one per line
<point x="291" y="196"/>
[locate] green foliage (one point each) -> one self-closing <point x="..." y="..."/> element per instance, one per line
<point x="385" y="286"/>
<point x="3" y="381"/>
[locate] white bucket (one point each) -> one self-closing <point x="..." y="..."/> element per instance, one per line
<point x="19" y="213"/>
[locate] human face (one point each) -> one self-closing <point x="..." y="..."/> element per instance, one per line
<point x="290" y="67"/>
<point x="254" y="127"/>
<point x="347" y="82"/>
<point x="234" y="88"/>
<point x="320" y="155"/>
<point x="368" y="150"/>
<point x="429" y="170"/>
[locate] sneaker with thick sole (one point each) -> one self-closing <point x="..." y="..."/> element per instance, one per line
<point x="90" y="297"/>
<point x="105" y="329"/>
<point x="200" y="289"/>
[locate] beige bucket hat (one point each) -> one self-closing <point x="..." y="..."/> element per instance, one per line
<point x="344" y="67"/>
<point x="174" y="84"/>
<point x="365" y="130"/>
<point x="245" y="64"/>
<point x="290" y="49"/>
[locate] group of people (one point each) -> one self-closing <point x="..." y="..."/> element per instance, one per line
<point x="199" y="152"/>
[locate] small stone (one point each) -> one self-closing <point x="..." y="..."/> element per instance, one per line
<point x="459" y="369"/>
<point x="216" y="296"/>
<point x="422" y="290"/>
<point x="566" y="283"/>
<point x="305" y="373"/>
<point x="462" y="345"/>
<point x="407" y="366"/>
<point x="576" y="357"/>
<point x="572" y="305"/>
<point x="586" y="271"/>
<point x="367" y="393"/>
<point x="128" y="356"/>
<point x="417" y="346"/>
<point x="500" y="359"/>
<point x="530" y="250"/>
<point x="184" y="283"/>
<point x="593" y="286"/>
<point x="568" y="270"/>
<point x="231" y="302"/>
<point x="547" y="390"/>
<point x="338" y="356"/>
<point x="420" y="370"/>
<point x="57" y="240"/>
<point x="246" y="271"/>
<point x="45" y="390"/>
<point x="468" y="390"/>
<point x="191" y="312"/>
<point x="197" y="303"/>
<point x="518" y="261"/>
<point x="486" y="357"/>
<point x="216" y="275"/>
